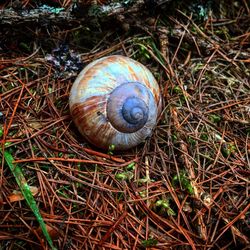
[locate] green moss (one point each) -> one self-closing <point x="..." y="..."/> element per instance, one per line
<point x="204" y="136"/>
<point x="151" y="242"/>
<point x="227" y="149"/>
<point x="214" y="118"/>
<point x="111" y="149"/>
<point x="131" y="166"/>
<point x="165" y="207"/>
<point x="191" y="141"/>
<point x="183" y="181"/>
<point x="124" y="176"/>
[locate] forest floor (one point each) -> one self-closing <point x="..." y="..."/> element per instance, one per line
<point x="186" y="187"/>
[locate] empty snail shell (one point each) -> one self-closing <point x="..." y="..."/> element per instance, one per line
<point x="115" y="100"/>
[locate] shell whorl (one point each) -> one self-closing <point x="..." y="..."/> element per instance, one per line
<point x="115" y="100"/>
<point x="128" y="107"/>
<point x="135" y="111"/>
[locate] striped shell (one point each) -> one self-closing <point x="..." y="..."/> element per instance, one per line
<point x="115" y="101"/>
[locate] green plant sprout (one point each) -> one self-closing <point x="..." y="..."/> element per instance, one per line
<point x="214" y="118"/>
<point x="131" y="166"/>
<point x="183" y="181"/>
<point x="227" y="149"/>
<point x="124" y="176"/>
<point x="165" y="207"/>
<point x="111" y="149"/>
<point x="143" y="193"/>
<point x="144" y="180"/>
<point x="128" y="174"/>
<point x="151" y="242"/>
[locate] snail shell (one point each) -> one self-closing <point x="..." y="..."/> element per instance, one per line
<point x="115" y="100"/>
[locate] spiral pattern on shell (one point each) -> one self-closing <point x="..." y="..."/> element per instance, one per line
<point x="115" y="100"/>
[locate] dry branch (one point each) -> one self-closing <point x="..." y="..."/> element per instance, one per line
<point x="12" y="17"/>
<point x="46" y="14"/>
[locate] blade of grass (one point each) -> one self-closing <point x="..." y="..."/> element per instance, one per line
<point x="25" y="189"/>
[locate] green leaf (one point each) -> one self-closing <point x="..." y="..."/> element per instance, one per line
<point x="25" y="189"/>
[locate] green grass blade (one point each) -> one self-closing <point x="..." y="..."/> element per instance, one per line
<point x="25" y="189"/>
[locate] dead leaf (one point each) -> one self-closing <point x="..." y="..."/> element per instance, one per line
<point x="17" y="195"/>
